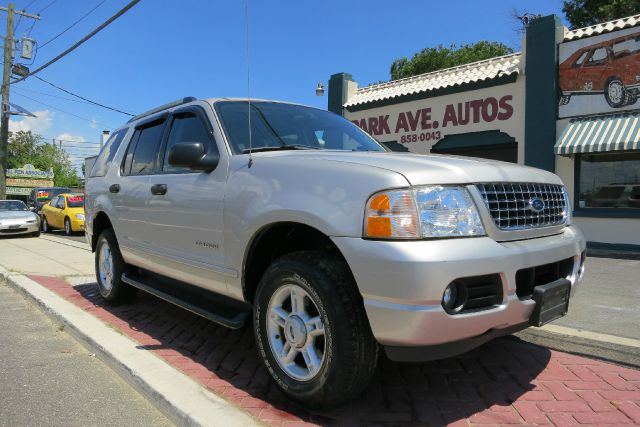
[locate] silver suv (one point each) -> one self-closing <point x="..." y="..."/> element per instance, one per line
<point x="335" y="248"/>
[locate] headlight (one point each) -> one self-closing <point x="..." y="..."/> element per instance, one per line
<point x="80" y="216"/>
<point x="566" y="212"/>
<point x="422" y="212"/>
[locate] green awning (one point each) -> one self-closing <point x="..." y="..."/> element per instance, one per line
<point x="594" y="134"/>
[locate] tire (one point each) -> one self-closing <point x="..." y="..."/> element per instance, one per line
<point x="109" y="268"/>
<point x="35" y="234"/>
<point x="615" y="93"/>
<point x="346" y="353"/>
<point x="67" y="227"/>
<point x="45" y="225"/>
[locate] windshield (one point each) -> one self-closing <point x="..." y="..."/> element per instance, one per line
<point x="46" y="194"/>
<point x="75" y="201"/>
<point x="275" y="125"/>
<point x="12" y="205"/>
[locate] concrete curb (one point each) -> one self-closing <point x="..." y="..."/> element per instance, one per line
<point x="180" y="398"/>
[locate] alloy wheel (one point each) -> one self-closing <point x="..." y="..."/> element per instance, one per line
<point x="105" y="268"/>
<point x="296" y="332"/>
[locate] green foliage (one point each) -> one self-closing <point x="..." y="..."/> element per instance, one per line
<point x="582" y="13"/>
<point x="27" y="148"/>
<point x="437" y="58"/>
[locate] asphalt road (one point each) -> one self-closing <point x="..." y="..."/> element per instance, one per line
<point x="49" y="379"/>
<point x="608" y="299"/>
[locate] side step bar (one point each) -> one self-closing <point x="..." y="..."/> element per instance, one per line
<point x="233" y="319"/>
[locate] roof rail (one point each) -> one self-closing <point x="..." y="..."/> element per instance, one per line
<point x="163" y="107"/>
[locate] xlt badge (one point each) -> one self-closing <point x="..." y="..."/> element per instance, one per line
<point x="207" y="244"/>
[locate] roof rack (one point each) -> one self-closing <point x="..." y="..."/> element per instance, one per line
<point x="162" y="107"/>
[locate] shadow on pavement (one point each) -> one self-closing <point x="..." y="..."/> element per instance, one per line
<point x="433" y="393"/>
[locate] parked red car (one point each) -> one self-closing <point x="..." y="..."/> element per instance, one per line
<point x="611" y="67"/>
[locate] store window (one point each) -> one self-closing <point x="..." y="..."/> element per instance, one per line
<point x="609" y="180"/>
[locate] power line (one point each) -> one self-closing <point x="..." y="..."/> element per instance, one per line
<point x="84" y="39"/>
<point x="46" y="7"/>
<point x="22" y="89"/>
<point x="83" y="98"/>
<point x="65" y="112"/>
<point x="72" y="25"/>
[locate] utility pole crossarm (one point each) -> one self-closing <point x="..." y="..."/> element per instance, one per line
<point x="18" y="12"/>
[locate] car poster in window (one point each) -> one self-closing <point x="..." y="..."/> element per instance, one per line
<point x="599" y="74"/>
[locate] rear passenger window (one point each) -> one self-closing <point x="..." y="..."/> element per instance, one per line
<point x="186" y="127"/>
<point x="148" y="140"/>
<point x="101" y="166"/>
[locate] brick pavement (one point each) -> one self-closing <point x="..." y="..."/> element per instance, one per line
<point x="503" y="382"/>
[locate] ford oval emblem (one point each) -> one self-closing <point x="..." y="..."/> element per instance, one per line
<point x="537" y="205"/>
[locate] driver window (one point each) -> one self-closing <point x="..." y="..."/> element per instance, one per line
<point x="186" y="127"/>
<point x="60" y="202"/>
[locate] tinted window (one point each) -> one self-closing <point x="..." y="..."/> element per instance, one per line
<point x="104" y="159"/>
<point x="608" y="180"/>
<point x="186" y="127"/>
<point x="276" y="125"/>
<point x="143" y="156"/>
<point x="598" y="57"/>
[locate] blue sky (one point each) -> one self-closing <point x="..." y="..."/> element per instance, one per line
<point x="163" y="50"/>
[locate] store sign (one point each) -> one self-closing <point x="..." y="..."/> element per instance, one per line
<point x="29" y="182"/>
<point x="28" y="171"/>
<point x="18" y="191"/>
<point x="599" y="74"/>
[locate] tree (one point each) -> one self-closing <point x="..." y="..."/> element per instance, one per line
<point x="27" y="148"/>
<point x="582" y="13"/>
<point x="437" y="58"/>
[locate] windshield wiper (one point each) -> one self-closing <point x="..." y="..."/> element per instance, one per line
<point x="280" y="147"/>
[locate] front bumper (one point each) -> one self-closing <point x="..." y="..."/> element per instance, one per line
<point x="11" y="229"/>
<point x="77" y="224"/>
<point x="402" y="285"/>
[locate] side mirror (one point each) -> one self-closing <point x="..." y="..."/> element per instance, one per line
<point x="193" y="155"/>
<point x="32" y="208"/>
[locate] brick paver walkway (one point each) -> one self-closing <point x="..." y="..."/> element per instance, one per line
<point x="504" y="382"/>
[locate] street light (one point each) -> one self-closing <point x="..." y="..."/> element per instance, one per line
<point x="320" y="89"/>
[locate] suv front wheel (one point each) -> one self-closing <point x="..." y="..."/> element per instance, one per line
<point x="311" y="330"/>
<point x="109" y="268"/>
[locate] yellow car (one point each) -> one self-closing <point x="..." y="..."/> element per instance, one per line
<point x="65" y="211"/>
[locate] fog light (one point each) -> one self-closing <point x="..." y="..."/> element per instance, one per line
<point x="454" y="297"/>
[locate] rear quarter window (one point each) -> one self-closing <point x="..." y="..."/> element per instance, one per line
<point x="101" y="166"/>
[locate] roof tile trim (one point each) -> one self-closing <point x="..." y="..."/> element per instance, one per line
<point x="605" y="27"/>
<point x="473" y="72"/>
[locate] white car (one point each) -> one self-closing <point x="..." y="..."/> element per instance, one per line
<point x="16" y="218"/>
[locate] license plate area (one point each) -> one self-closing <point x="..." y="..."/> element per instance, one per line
<point x="14" y="226"/>
<point x="552" y="302"/>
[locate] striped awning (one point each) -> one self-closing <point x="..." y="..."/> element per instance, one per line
<point x="600" y="133"/>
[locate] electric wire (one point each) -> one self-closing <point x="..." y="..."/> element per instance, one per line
<point x="83" y="98"/>
<point x="79" y="43"/>
<point x="72" y="25"/>
<point x="22" y="89"/>
<point x="46" y="7"/>
<point x="65" y="112"/>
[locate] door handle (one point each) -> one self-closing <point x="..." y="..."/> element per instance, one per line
<point x="159" y="189"/>
<point x="114" y="188"/>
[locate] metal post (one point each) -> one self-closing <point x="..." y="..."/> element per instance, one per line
<point x="4" y="121"/>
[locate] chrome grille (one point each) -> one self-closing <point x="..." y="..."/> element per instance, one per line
<point x="510" y="207"/>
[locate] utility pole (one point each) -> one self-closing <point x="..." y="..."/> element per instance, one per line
<point x="9" y="45"/>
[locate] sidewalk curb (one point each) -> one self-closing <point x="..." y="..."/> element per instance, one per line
<point x="181" y="399"/>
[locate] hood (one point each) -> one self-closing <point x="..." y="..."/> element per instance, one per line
<point x="421" y="169"/>
<point x="17" y="215"/>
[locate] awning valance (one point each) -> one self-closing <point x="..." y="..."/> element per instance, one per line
<point x="600" y="133"/>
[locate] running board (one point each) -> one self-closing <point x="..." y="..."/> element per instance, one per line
<point x="217" y="310"/>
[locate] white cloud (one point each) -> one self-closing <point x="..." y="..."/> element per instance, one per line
<point x="39" y="124"/>
<point x="93" y="124"/>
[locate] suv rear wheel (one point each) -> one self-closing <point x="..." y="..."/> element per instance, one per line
<point x="311" y="330"/>
<point x="109" y="268"/>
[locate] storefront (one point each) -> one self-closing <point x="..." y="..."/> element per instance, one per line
<point x="598" y="128"/>
<point x="21" y="181"/>
<point x="472" y="110"/>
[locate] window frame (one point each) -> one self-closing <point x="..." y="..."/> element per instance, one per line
<point x="201" y="115"/>
<point x="113" y="144"/>
<point x="127" y="162"/>
<point x="599" y="212"/>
